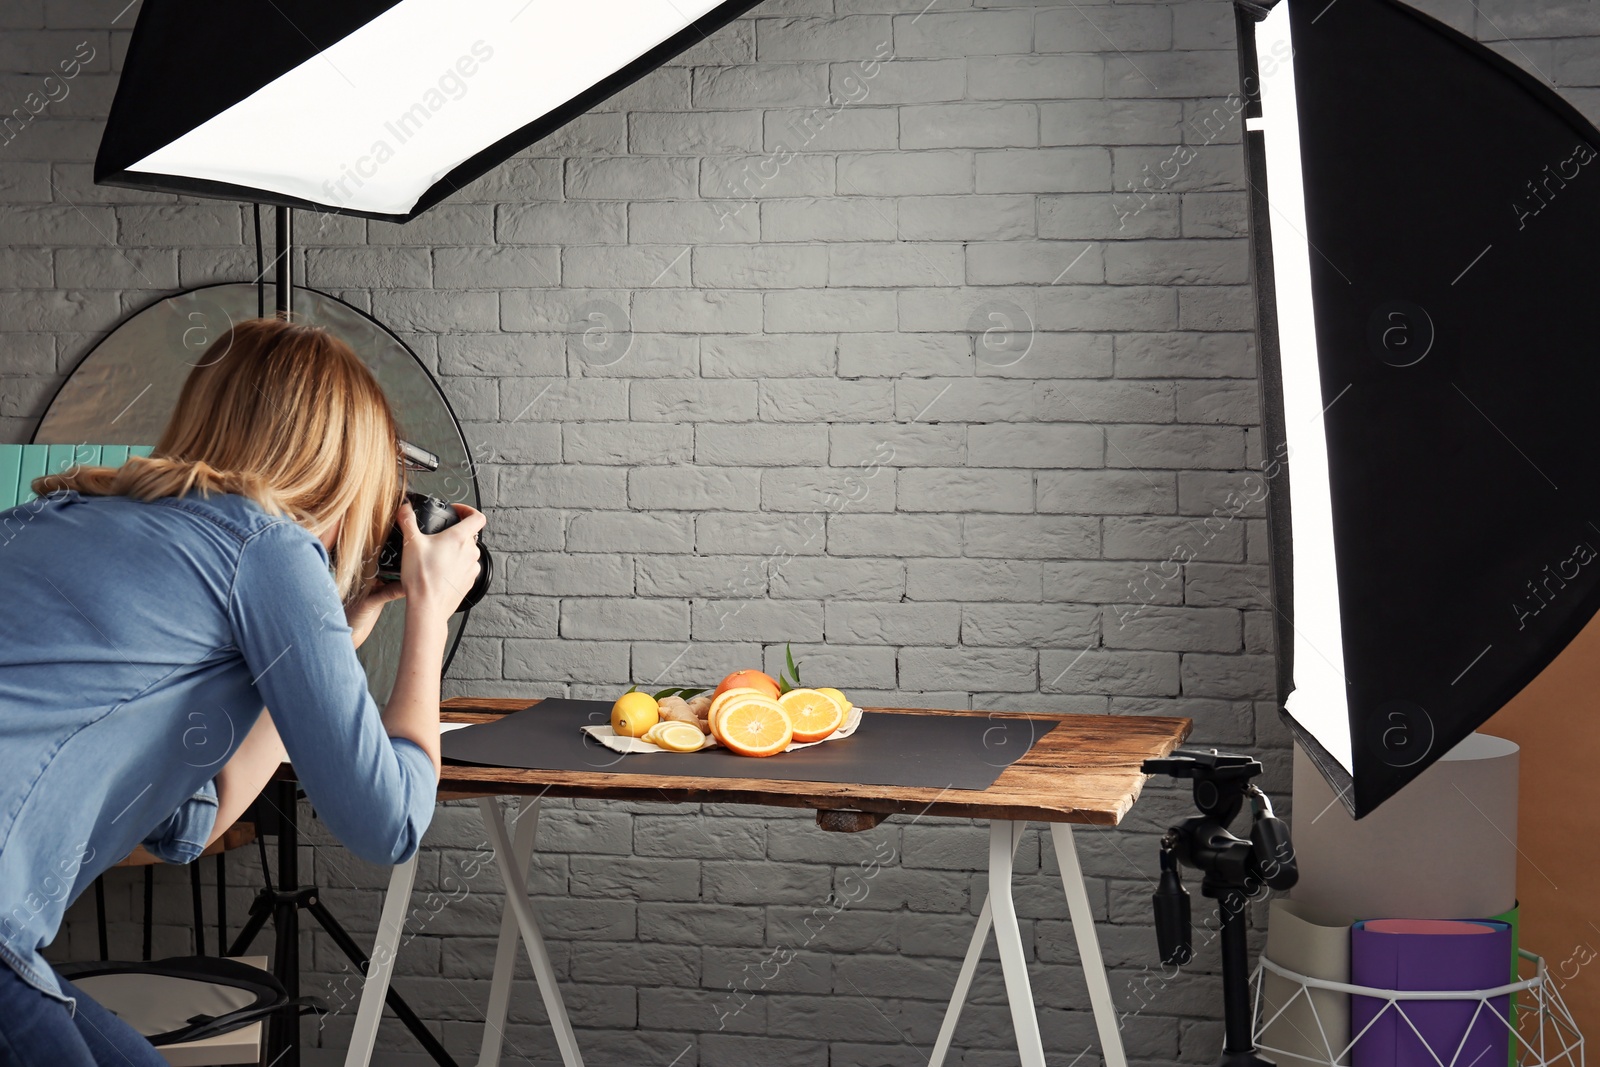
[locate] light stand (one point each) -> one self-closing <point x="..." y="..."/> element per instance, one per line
<point x="1235" y="869"/>
<point x="283" y="903"/>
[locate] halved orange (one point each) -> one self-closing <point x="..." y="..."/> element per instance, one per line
<point x="720" y="707"/>
<point x="757" y="727"/>
<point x="814" y="714"/>
<point x="722" y="698"/>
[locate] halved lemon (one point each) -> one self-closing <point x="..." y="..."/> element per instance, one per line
<point x="680" y="737"/>
<point x="843" y="701"/>
<point x="756" y="727"/>
<point x="814" y="713"/>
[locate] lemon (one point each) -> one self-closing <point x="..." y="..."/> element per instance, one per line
<point x="838" y="697"/>
<point x="680" y="737"/>
<point x="633" y="714"/>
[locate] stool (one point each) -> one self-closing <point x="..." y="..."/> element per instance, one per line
<point x="236" y="836"/>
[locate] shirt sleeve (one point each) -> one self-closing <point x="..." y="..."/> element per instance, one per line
<point x="375" y="793"/>
<point x="182" y="836"/>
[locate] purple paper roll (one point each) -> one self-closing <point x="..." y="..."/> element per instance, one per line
<point x="1424" y="954"/>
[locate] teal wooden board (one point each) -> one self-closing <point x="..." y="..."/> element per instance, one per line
<point x="60" y="458"/>
<point x="10" y="470"/>
<point x="21" y="464"/>
<point x="34" y="458"/>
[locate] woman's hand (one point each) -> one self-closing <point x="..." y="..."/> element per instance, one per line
<point x="437" y="570"/>
<point x="363" y="614"/>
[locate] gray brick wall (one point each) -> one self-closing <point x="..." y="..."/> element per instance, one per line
<point x="809" y="438"/>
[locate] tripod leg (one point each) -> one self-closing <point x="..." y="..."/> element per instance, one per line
<point x="149" y="909"/>
<point x="391" y="925"/>
<point x="517" y="900"/>
<point x="222" y="901"/>
<point x="199" y="912"/>
<point x="1094" y="968"/>
<point x="391" y="997"/>
<point x="505" y="954"/>
<point x="1008" y="936"/>
<point x="100" y="916"/>
<point x="283" y="1035"/>
<point x="260" y="912"/>
<point x="969" y="966"/>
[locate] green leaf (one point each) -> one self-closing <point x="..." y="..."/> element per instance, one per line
<point x="630" y="689"/>
<point x="794" y="671"/>
<point x="677" y="691"/>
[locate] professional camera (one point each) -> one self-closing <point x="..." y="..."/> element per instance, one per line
<point x="433" y="515"/>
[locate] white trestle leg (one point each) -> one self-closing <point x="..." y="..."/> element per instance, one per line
<point x="1094" y="968"/>
<point x="969" y="966"/>
<point x="1000" y="912"/>
<point x="391" y="925"/>
<point x="505" y="955"/>
<point x="520" y="906"/>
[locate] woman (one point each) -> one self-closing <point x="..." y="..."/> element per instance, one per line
<point x="152" y="610"/>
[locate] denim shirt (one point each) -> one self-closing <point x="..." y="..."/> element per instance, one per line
<point x="139" y="642"/>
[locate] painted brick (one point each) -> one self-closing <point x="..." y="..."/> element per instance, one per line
<point x="905" y="173"/>
<point x="1030" y="537"/>
<point x="775" y="84"/>
<point x="1036" y="445"/>
<point x="893" y="623"/>
<point x="901" y="81"/>
<point x="911" y="535"/>
<point x="759" y="445"/>
<point x="760" y="266"/>
<point x="976" y="33"/>
<point x="836" y="219"/>
<point x="1035" y="77"/>
<point x="969" y="125"/>
<point x="948" y="218"/>
<point x="677" y="133"/>
<point x="694" y="488"/>
<point x="897" y="264"/>
<point x="972" y="579"/>
<point x="829" y="310"/>
<point x="752" y="356"/>
<point x="1134" y="28"/>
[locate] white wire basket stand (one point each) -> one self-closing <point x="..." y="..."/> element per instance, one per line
<point x="1542" y="1031"/>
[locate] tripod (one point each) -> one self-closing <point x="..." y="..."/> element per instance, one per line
<point x="283" y="905"/>
<point x="1235" y="868"/>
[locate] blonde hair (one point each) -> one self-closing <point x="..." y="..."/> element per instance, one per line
<point x="289" y="416"/>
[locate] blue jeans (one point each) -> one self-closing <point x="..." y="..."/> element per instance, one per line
<point x="38" y="1031"/>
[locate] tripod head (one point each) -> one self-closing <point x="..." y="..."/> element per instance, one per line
<point x="1234" y="868"/>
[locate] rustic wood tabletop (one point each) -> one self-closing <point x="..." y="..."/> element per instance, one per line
<point x="1086" y="770"/>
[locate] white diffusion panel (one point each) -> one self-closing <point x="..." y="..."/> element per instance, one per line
<point x="375" y="120"/>
<point x="1319" y="701"/>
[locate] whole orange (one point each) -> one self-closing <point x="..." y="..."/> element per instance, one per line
<point x="751" y="679"/>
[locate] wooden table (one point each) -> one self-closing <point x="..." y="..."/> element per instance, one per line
<point x="1085" y="771"/>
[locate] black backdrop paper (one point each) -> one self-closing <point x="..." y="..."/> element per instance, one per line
<point x="920" y="751"/>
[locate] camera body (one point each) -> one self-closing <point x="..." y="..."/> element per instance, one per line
<point x="433" y="515"/>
